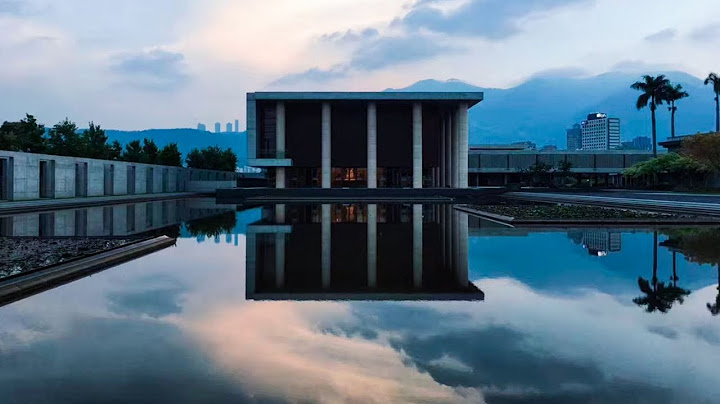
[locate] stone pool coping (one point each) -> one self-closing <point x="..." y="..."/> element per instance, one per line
<point x="22" y="285"/>
<point x="512" y="221"/>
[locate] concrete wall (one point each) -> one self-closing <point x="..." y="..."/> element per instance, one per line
<point x="23" y="182"/>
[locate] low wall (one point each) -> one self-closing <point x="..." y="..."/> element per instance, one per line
<point x="28" y="176"/>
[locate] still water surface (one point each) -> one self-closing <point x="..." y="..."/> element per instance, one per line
<point x="258" y="306"/>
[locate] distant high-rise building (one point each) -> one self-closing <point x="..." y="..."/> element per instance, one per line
<point x="600" y="132"/>
<point x="642" y="143"/>
<point x="601" y="243"/>
<point x="237" y="126"/>
<point x="202" y="127"/>
<point x="217" y="127"/>
<point x="574" y="137"/>
<point x="228" y="127"/>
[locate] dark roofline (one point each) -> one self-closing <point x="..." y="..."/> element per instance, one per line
<point x="470" y="97"/>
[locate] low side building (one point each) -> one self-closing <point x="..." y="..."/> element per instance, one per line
<point x="364" y="140"/>
<point x="493" y="167"/>
<point x="28" y="176"/>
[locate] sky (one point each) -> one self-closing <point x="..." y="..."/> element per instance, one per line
<point x="136" y="64"/>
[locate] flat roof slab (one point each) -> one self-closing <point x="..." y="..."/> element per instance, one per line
<point x="469" y="97"/>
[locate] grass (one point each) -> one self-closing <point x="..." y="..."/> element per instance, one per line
<point x="570" y="212"/>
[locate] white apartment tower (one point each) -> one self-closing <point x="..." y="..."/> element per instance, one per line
<point x="600" y="132"/>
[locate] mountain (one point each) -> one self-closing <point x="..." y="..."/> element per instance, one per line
<point x="541" y="108"/>
<point x="187" y="139"/>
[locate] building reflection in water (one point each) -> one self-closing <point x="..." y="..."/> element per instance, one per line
<point x="128" y="219"/>
<point x="359" y="252"/>
<point x="598" y="242"/>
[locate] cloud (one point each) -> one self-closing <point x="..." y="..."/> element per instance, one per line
<point x="350" y="35"/>
<point x="664" y="35"/>
<point x="372" y="54"/>
<point x="156" y="69"/>
<point x="14" y="7"/>
<point x="707" y="33"/>
<point x="492" y="19"/>
<point x="448" y="362"/>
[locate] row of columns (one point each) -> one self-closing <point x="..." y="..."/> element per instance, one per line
<point x="454" y="249"/>
<point x="453" y="170"/>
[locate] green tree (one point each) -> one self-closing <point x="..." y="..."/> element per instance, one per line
<point x="212" y="158"/>
<point x="25" y="135"/>
<point x="653" y="94"/>
<point x="64" y="139"/>
<point x="149" y="151"/>
<point x="674" y="94"/>
<point x="714" y="79"/>
<point x="170" y="155"/>
<point x="704" y="148"/>
<point x="133" y="152"/>
<point x="94" y="142"/>
<point x="115" y="150"/>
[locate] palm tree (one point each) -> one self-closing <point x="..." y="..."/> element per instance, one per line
<point x="673" y="94"/>
<point x="657" y="295"/>
<point x="715" y="308"/>
<point x="653" y="94"/>
<point x="715" y="80"/>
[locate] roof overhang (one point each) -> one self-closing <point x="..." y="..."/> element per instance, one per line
<point x="471" y="98"/>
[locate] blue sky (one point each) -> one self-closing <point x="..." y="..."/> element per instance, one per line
<point x="135" y="64"/>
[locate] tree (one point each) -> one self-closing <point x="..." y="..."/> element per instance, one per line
<point x="115" y="150"/>
<point x="714" y="79"/>
<point x="658" y="297"/>
<point x="653" y="94"/>
<point x="64" y="140"/>
<point x="170" y="155"/>
<point x="133" y="152"/>
<point x="149" y="151"/>
<point x="673" y="94"/>
<point x="25" y="135"/>
<point x="704" y="148"/>
<point x="714" y="308"/>
<point x="94" y="142"/>
<point x="212" y="158"/>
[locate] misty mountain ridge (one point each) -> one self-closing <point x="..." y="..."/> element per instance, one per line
<point x="543" y="107"/>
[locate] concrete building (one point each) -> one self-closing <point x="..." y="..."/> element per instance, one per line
<point x="369" y="140"/>
<point x="28" y="176"/>
<point x="228" y="127"/>
<point x="357" y="251"/>
<point x="496" y="166"/>
<point x="574" y="137"/>
<point x="237" y="126"/>
<point x="217" y="127"/>
<point x="201" y="127"/>
<point x="600" y="132"/>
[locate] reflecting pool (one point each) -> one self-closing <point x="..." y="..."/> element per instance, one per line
<point x="372" y="303"/>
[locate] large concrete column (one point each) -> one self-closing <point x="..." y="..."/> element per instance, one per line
<point x="372" y="145"/>
<point x="443" y="161"/>
<point x="280" y="143"/>
<point x="463" y="146"/>
<point x="417" y="145"/>
<point x="372" y="246"/>
<point x="325" y="246"/>
<point x="448" y="149"/>
<point x="417" y="246"/>
<point x="326" y="147"/>
<point x="279" y="260"/>
<point x="463" y="245"/>
<point x="454" y="154"/>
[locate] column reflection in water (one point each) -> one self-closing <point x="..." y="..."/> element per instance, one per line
<point x="360" y="252"/>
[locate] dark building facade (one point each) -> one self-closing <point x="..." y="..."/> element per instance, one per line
<point x="372" y="140"/>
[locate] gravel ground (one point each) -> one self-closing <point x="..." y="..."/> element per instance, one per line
<point x="572" y="212"/>
<point x="23" y="254"/>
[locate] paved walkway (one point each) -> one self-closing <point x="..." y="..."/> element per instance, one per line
<point x="662" y="202"/>
<point x="37" y="205"/>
